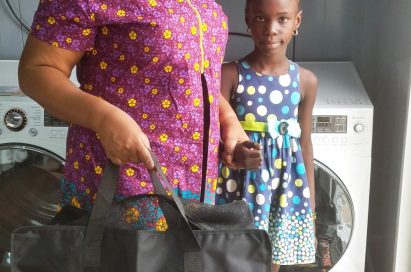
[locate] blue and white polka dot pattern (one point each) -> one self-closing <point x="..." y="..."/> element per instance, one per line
<point x="277" y="193"/>
<point x="260" y="93"/>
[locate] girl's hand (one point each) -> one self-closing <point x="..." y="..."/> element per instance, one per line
<point x="123" y="140"/>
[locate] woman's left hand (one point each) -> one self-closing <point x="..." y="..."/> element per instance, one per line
<point x="239" y="151"/>
<point x="232" y="132"/>
<point x="247" y="155"/>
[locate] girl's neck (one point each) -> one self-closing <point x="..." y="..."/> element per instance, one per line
<point x="268" y="65"/>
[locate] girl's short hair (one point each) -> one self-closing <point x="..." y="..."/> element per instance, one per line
<point x="248" y="2"/>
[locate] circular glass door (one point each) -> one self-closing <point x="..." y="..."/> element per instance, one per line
<point x="334" y="223"/>
<point x="29" y="188"/>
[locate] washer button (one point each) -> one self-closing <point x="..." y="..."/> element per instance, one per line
<point x="359" y="127"/>
<point x="33" y="132"/>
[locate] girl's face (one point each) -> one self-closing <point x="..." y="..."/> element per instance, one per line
<point x="272" y="23"/>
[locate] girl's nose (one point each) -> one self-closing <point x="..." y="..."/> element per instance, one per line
<point x="272" y="28"/>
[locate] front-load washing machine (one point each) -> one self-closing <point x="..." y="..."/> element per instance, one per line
<point x="342" y="138"/>
<point x="32" y="153"/>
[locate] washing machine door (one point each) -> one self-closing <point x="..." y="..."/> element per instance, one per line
<point x="29" y="188"/>
<point x="334" y="223"/>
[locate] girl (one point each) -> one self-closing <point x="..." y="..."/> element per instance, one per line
<point x="273" y="98"/>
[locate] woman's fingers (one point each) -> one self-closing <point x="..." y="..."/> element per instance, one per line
<point x="124" y="141"/>
<point x="146" y="159"/>
<point x="252" y="165"/>
<point x="250" y="145"/>
<point x="116" y="161"/>
<point x="141" y="156"/>
<point x="247" y="154"/>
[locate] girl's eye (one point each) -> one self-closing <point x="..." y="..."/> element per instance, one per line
<point x="259" y="19"/>
<point x="283" y="19"/>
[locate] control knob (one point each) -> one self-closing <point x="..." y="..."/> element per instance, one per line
<point x="359" y="127"/>
<point x="15" y="119"/>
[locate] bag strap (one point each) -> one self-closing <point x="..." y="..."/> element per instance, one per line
<point x="161" y="190"/>
<point x="185" y="234"/>
<point x="98" y="217"/>
<point x="101" y="209"/>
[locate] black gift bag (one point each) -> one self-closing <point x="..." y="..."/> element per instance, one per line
<point x="200" y="238"/>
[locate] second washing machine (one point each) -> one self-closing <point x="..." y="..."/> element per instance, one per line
<point x="342" y="139"/>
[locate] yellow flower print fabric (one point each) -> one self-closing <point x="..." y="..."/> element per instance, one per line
<point x="147" y="57"/>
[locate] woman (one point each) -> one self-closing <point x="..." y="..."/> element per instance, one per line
<point x="150" y="78"/>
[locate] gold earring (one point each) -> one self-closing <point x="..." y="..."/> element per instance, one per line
<point x="295" y="32"/>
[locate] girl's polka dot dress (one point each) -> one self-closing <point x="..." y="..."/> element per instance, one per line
<point x="277" y="193"/>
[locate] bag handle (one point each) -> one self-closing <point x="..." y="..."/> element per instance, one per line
<point x="101" y="209"/>
<point x="161" y="190"/>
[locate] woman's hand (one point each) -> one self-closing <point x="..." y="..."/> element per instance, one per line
<point x="238" y="151"/>
<point x="123" y="140"/>
<point x="232" y="132"/>
<point x="247" y="155"/>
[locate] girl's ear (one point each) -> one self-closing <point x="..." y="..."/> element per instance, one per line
<point x="298" y="19"/>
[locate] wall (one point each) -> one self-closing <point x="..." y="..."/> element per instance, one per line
<point x="327" y="30"/>
<point x="12" y="35"/>
<point x="403" y="244"/>
<point x="382" y="55"/>
<point x="325" y="33"/>
<point x="11" y="40"/>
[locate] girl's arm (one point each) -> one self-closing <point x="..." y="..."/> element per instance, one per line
<point x="229" y="79"/>
<point x="44" y="72"/>
<point x="309" y="86"/>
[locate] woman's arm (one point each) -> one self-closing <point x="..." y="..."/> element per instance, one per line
<point x="309" y="85"/>
<point x="239" y="151"/>
<point x="44" y="72"/>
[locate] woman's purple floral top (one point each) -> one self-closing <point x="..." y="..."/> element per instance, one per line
<point x="146" y="57"/>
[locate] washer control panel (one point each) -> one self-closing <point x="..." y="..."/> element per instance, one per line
<point x="329" y="124"/>
<point x="345" y="132"/>
<point x="22" y="119"/>
<point x="51" y="121"/>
